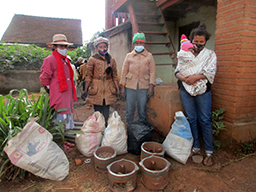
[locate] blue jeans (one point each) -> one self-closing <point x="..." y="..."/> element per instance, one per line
<point x="138" y="96"/>
<point x="198" y="108"/>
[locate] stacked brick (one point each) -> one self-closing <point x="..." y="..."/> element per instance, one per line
<point x="235" y="84"/>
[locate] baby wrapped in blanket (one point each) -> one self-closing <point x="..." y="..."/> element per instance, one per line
<point x="187" y="66"/>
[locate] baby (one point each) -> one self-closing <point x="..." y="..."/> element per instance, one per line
<point x="187" y="66"/>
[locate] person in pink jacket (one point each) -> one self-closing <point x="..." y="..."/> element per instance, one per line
<point x="138" y="78"/>
<point x="57" y="77"/>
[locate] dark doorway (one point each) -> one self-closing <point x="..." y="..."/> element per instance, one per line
<point x="186" y="29"/>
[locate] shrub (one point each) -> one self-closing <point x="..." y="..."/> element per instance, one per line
<point x="247" y="148"/>
<point x="217" y="125"/>
<point x="14" y="114"/>
<point x="31" y="57"/>
<point x="84" y="52"/>
<point x="21" y="57"/>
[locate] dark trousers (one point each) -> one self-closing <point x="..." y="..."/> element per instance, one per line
<point x="104" y="110"/>
<point x="83" y="84"/>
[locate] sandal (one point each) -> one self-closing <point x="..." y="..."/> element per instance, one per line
<point x="194" y="152"/>
<point x="66" y="149"/>
<point x="69" y="144"/>
<point x="208" y="159"/>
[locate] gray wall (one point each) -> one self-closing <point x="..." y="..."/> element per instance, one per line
<point x="19" y="80"/>
<point x="205" y="15"/>
<point x="120" y="45"/>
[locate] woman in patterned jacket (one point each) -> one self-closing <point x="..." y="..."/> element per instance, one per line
<point x="198" y="107"/>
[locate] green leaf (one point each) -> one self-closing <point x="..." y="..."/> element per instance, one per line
<point x="73" y="132"/>
<point x="14" y="115"/>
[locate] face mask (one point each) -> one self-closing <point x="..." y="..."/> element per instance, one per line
<point x="103" y="52"/>
<point x="62" y="51"/>
<point x="139" y="48"/>
<point x="199" y="48"/>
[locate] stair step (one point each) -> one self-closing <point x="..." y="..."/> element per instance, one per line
<point x="78" y="123"/>
<point x="70" y="136"/>
<point x="148" y="15"/>
<point x="158" y="42"/>
<point x="150" y="23"/>
<point x="145" y="7"/>
<point x="158" y="64"/>
<point x="77" y="128"/>
<point x="161" y="53"/>
<point x="145" y="4"/>
<point x="155" y="32"/>
<point x="71" y="140"/>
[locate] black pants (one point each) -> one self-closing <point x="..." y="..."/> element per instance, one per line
<point x="83" y="84"/>
<point x="104" y="110"/>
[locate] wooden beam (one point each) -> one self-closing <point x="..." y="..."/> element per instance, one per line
<point x="160" y="2"/>
<point x="120" y="18"/>
<point x="169" y="3"/>
<point x="118" y="4"/>
<point x="135" y="27"/>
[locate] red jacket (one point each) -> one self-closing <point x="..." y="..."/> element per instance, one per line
<point x="58" y="99"/>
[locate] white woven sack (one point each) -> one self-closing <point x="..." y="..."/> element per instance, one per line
<point x="115" y="134"/>
<point x="94" y="123"/>
<point x="92" y="132"/>
<point x="33" y="150"/>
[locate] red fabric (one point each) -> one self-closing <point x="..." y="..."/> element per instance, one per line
<point x="60" y="72"/>
<point x="141" y="40"/>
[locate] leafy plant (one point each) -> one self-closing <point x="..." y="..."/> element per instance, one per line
<point x="21" y="57"/>
<point x="84" y="51"/>
<point x="31" y="57"/>
<point x="217" y="144"/>
<point x="217" y="125"/>
<point x="14" y="115"/>
<point x="247" y="148"/>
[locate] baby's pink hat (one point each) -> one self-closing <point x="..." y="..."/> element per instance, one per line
<point x="185" y="43"/>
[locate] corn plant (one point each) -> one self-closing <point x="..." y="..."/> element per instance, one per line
<point x="14" y="115"/>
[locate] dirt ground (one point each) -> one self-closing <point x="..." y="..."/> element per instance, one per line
<point x="229" y="172"/>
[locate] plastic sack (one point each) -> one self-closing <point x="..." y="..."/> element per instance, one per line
<point x="115" y="134"/>
<point x="33" y="150"/>
<point x="179" y="141"/>
<point x="92" y="132"/>
<point x="138" y="133"/>
<point x="159" y="81"/>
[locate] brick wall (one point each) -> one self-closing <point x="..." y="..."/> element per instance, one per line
<point x="235" y="83"/>
<point x="108" y="14"/>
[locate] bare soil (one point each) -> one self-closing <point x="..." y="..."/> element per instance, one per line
<point x="229" y="172"/>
